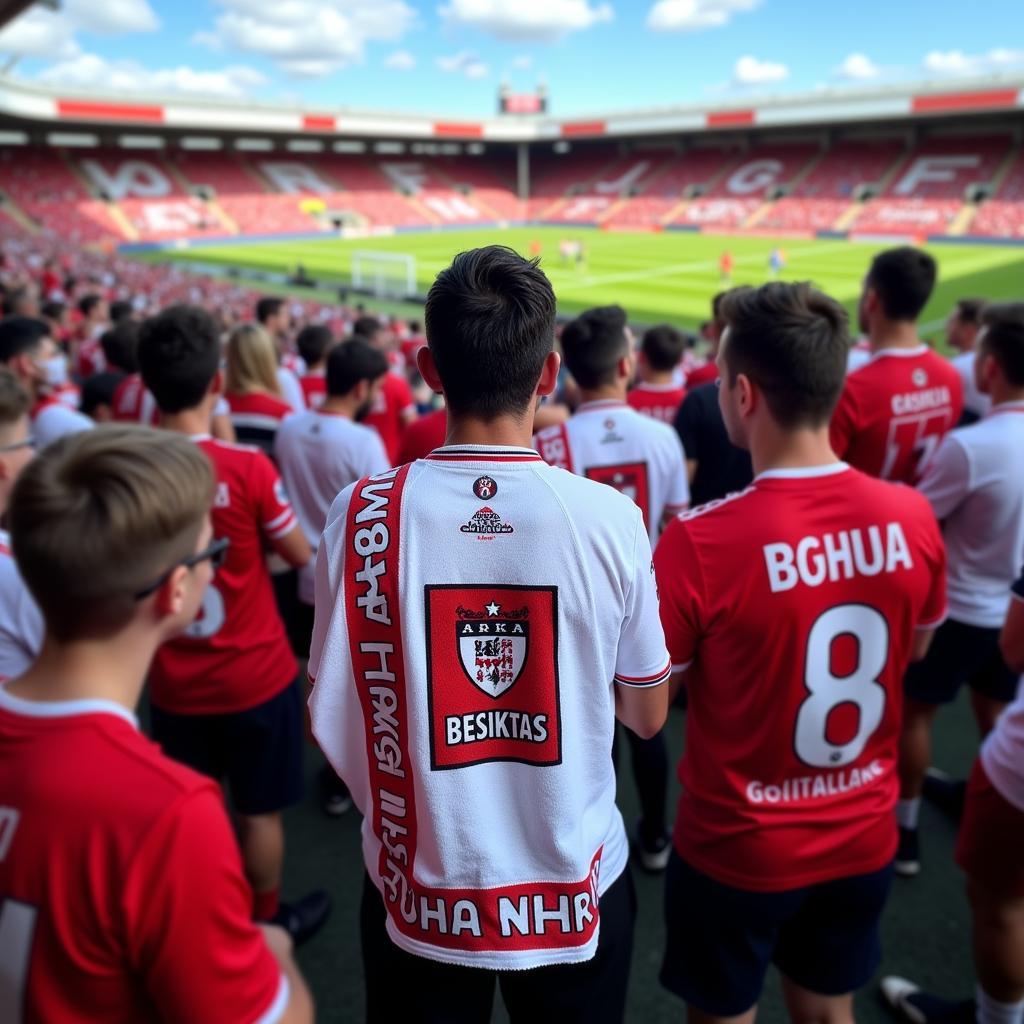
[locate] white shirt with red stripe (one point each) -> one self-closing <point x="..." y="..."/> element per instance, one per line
<point x="792" y="606"/>
<point x="236" y="654"/>
<point x="52" y="419"/>
<point x="319" y="454"/>
<point x="609" y="442"/>
<point x="475" y="611"/>
<point x="21" y="625"/>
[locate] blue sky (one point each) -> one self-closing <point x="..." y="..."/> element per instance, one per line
<point x="449" y="56"/>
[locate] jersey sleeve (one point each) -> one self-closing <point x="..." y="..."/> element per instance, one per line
<point x="642" y="659"/>
<point x="933" y="613"/>
<point x="844" y="422"/>
<point x="275" y="512"/>
<point x="188" y="916"/>
<point x="681" y="585"/>
<point x="947" y="478"/>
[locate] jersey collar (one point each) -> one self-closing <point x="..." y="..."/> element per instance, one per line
<point x="802" y="472"/>
<point x="64" y="708"/>
<point x="1005" y="407"/>
<point x="483" y="453"/>
<point x="900" y="353"/>
<point x="601" y="404"/>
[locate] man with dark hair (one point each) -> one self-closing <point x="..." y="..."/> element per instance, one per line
<point x="120" y="344"/>
<point x="225" y="697"/>
<point x="394" y="406"/>
<point x="658" y="391"/>
<point x="898" y="406"/>
<point x="21" y="301"/>
<point x="314" y="342"/>
<point x="121" y="310"/>
<point x="962" y="329"/>
<point x="980" y="502"/>
<point x="94" y="317"/>
<point x="469" y="658"/>
<point x="787" y="608"/>
<point x="274" y="316"/>
<point x="30" y="353"/>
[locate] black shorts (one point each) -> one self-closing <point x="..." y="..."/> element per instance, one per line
<point x="721" y="940"/>
<point x="961" y="654"/>
<point x="258" y="751"/>
<point x="401" y="986"/>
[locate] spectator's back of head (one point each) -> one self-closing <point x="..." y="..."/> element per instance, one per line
<point x="179" y="356"/>
<point x="267" y="307"/>
<point x="99" y="515"/>
<point x="251" y="362"/>
<point x="313" y="342"/>
<point x="791" y="342"/>
<point x="902" y="279"/>
<point x="352" y="362"/>
<point x="21" y="335"/>
<point x="663" y="347"/>
<point x="120" y="346"/>
<point x="90" y="305"/>
<point x="490" y="320"/>
<point x="120" y="310"/>
<point x="1003" y="339"/>
<point x="367" y="328"/>
<point x="593" y="344"/>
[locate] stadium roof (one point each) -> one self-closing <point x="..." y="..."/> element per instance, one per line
<point x="896" y="103"/>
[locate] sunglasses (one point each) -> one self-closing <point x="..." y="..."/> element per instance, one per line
<point x="214" y="554"/>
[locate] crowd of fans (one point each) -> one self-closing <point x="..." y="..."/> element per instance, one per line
<point x="485" y="545"/>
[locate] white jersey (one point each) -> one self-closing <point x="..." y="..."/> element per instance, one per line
<point x="615" y="445"/>
<point x="52" y="419"/>
<point x="318" y="455"/>
<point x="979" y="499"/>
<point x="1002" y="753"/>
<point x="21" y="624"/>
<point x="974" y="400"/>
<point x="464" y="662"/>
<point x="291" y="389"/>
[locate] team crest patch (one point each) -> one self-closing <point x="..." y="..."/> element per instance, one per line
<point x="919" y="377"/>
<point x="492" y="670"/>
<point x="485" y="487"/>
<point x="628" y="478"/>
<point x="486" y="524"/>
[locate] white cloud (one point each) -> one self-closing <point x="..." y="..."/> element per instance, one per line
<point x="694" y="15"/>
<point x="751" y="71"/>
<point x="39" y="34"/>
<point x="956" y="62"/>
<point x="111" y="16"/>
<point x="88" y="70"/>
<point x="858" y="67"/>
<point x="535" y="20"/>
<point x="464" y="63"/>
<point x="308" y="38"/>
<point x="401" y="60"/>
<point x="523" y="62"/>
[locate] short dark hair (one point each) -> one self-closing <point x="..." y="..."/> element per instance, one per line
<point x="14" y="399"/>
<point x="663" y="347"/>
<point x="87" y="303"/>
<point x="97" y="390"/>
<point x="903" y="279"/>
<point x="53" y="310"/>
<point x="792" y="342"/>
<point x="490" y="323"/>
<point x="351" y="362"/>
<point x="179" y="355"/>
<point x="120" y="346"/>
<point x="594" y="343"/>
<point x="366" y="326"/>
<point x="121" y="309"/>
<point x="12" y="298"/>
<point x="1004" y="338"/>
<point x="20" y="334"/>
<point x="312" y="342"/>
<point x="970" y="310"/>
<point x="268" y="306"/>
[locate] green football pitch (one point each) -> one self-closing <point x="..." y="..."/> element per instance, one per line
<point x="669" y="276"/>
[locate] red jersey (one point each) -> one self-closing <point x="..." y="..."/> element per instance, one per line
<point x="236" y="654"/>
<point x="422" y="436"/>
<point x="90" y="358"/>
<point x="792" y="605"/>
<point x="894" y="411"/>
<point x="133" y="403"/>
<point x="659" y="401"/>
<point x="393" y="402"/>
<point x="706" y="374"/>
<point x="314" y="389"/>
<point x="122" y="896"/>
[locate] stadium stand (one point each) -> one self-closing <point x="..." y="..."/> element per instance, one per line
<point x="1003" y="216"/>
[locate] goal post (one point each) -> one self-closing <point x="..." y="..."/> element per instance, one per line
<point x="387" y="275"/>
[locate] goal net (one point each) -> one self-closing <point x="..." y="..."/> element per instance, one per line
<point x="390" y="275"/>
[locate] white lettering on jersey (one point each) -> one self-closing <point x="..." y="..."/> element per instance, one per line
<point x="754" y="177"/>
<point x="813" y="787"/>
<point x="9" y="817"/>
<point x="919" y="401"/>
<point x="836" y="556"/>
<point x="933" y="168"/>
<point x="293" y="177"/>
<point x="135" y="178"/>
